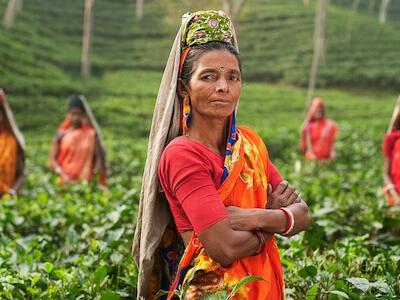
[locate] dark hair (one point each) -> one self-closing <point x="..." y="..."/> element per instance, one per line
<point x="196" y="52"/>
<point x="75" y="101"/>
<point x="396" y="123"/>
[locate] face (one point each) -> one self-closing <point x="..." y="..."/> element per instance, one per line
<point x="76" y="116"/>
<point x="319" y="113"/>
<point x="215" y="85"/>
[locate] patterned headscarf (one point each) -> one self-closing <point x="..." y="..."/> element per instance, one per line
<point x="206" y="26"/>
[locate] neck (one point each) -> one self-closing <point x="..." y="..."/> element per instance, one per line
<point x="210" y="132"/>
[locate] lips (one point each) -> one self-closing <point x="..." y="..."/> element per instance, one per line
<point x="221" y="101"/>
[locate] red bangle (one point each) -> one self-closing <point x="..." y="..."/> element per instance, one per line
<point x="289" y="221"/>
<point x="261" y="239"/>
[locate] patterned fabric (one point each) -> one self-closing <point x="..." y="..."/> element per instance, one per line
<point x="246" y="187"/>
<point x="205" y="26"/>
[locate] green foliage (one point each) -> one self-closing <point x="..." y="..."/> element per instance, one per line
<point x="42" y="52"/>
<point x="74" y="243"/>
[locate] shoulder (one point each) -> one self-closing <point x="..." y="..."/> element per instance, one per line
<point x="182" y="151"/>
<point x="183" y="159"/>
<point x="391" y="137"/>
<point x="331" y="122"/>
<point x="60" y="135"/>
<point x="252" y="136"/>
<point x="10" y="137"/>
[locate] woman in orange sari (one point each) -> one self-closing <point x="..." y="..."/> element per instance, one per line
<point x="318" y="134"/>
<point x="77" y="151"/>
<point x="12" y="151"/>
<point x="391" y="156"/>
<point x="226" y="198"/>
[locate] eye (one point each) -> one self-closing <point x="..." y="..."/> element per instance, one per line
<point x="235" y="77"/>
<point x="207" y="77"/>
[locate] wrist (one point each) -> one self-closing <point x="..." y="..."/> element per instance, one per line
<point x="261" y="241"/>
<point x="289" y="221"/>
<point x="272" y="220"/>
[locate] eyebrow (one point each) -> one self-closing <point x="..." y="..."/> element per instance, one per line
<point x="236" y="71"/>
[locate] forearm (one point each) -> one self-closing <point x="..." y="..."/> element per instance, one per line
<point x="225" y="245"/>
<point x="275" y="220"/>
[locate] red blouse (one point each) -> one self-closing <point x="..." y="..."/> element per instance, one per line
<point x="190" y="175"/>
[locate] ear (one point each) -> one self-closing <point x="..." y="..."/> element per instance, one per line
<point x="182" y="89"/>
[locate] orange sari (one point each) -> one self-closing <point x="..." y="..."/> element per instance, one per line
<point x="8" y="160"/>
<point x="246" y="187"/>
<point x="76" y="155"/>
<point x="323" y="134"/>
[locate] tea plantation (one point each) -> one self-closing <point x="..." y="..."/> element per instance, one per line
<point x="74" y="243"/>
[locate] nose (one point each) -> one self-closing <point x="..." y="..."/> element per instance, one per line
<point x="222" y="86"/>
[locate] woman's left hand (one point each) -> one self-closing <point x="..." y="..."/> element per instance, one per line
<point x="242" y="218"/>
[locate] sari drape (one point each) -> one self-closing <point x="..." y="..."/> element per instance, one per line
<point x="12" y="148"/>
<point x="246" y="187"/>
<point x="323" y="134"/>
<point x="8" y="160"/>
<point x="77" y="155"/>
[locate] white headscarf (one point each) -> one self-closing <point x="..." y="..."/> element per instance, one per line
<point x="395" y="115"/>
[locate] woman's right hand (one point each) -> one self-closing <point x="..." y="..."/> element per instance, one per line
<point x="282" y="196"/>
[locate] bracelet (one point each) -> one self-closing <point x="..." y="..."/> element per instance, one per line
<point x="388" y="187"/>
<point x="289" y="221"/>
<point x="261" y="239"/>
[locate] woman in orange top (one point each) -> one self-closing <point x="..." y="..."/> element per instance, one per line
<point x="12" y="151"/>
<point x="318" y="134"/>
<point x="215" y="178"/>
<point x="391" y="155"/>
<point x="77" y="151"/>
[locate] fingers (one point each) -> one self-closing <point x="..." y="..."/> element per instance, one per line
<point x="293" y="198"/>
<point x="290" y="190"/>
<point x="283" y="195"/>
<point x="281" y="187"/>
<point x="269" y="189"/>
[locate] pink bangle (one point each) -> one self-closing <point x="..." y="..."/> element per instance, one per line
<point x="289" y="221"/>
<point x="261" y="239"/>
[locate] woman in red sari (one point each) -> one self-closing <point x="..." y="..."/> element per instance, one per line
<point x="77" y="151"/>
<point x="12" y="151"/>
<point x="226" y="198"/>
<point x="391" y="156"/>
<point x="319" y="133"/>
